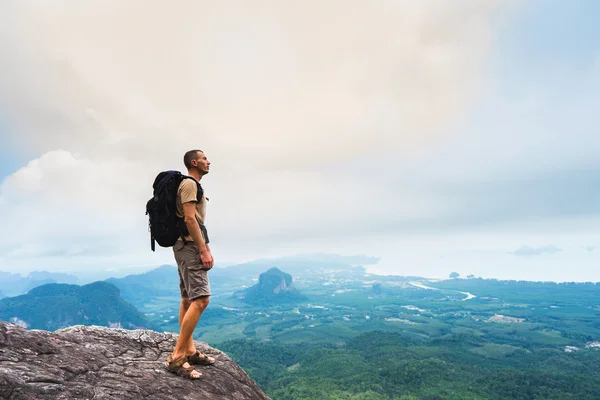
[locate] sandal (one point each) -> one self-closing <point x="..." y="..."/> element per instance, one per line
<point x="176" y="366"/>
<point x="200" y="359"/>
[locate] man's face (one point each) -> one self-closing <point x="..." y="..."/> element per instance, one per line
<point x="201" y="164"/>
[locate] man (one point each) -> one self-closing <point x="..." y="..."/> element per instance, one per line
<point x="194" y="260"/>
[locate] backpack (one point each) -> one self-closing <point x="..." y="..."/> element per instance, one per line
<point x="164" y="225"/>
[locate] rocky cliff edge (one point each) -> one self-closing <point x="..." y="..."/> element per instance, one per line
<point x="91" y="362"/>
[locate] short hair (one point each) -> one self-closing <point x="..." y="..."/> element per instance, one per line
<point x="190" y="156"/>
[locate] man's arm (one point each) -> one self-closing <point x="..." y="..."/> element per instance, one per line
<point x="189" y="217"/>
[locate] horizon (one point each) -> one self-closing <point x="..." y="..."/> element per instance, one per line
<point x="92" y="276"/>
<point x="438" y="137"/>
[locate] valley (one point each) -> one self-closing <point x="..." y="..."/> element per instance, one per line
<point x="343" y="303"/>
<point x="306" y="329"/>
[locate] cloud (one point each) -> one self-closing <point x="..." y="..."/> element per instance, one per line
<point x="526" y="251"/>
<point x="254" y="84"/>
<point x="286" y="100"/>
<point x="65" y="205"/>
<point x="328" y="129"/>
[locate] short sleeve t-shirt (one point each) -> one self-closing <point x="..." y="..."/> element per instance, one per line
<point x="188" y="191"/>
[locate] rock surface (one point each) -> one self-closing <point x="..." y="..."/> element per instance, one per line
<point x="90" y="362"/>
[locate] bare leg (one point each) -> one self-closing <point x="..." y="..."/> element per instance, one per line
<point x="183" y="307"/>
<point x="191" y="316"/>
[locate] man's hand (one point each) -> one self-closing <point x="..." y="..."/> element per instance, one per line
<point x="207" y="259"/>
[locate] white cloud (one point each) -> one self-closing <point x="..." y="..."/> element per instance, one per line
<point x="110" y="93"/>
<point x="63" y="204"/>
<point x="314" y="116"/>
<point x="256" y="84"/>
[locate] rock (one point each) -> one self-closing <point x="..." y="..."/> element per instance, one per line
<point x="91" y="362"/>
<point x="273" y="287"/>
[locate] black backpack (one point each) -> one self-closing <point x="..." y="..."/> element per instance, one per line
<point x="164" y="225"/>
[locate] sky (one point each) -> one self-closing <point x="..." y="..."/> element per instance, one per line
<point x="438" y="136"/>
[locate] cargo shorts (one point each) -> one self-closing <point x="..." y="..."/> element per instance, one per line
<point x="193" y="278"/>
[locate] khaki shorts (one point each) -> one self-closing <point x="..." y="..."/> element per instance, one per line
<point x="193" y="279"/>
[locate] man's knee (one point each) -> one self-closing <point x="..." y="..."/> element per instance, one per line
<point x="185" y="302"/>
<point x="202" y="302"/>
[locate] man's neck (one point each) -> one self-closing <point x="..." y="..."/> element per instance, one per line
<point x="195" y="174"/>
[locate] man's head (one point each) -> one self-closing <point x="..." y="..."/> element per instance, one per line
<point x="195" y="160"/>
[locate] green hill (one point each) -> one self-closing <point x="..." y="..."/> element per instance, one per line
<point x="273" y="287"/>
<point x="55" y="306"/>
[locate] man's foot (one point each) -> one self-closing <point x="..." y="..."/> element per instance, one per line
<point x="198" y="358"/>
<point x="181" y="367"/>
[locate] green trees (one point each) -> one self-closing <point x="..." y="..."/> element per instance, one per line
<point x="386" y="366"/>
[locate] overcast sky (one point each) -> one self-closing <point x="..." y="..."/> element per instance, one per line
<point x="439" y="136"/>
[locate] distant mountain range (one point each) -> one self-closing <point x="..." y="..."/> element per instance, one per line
<point x="164" y="280"/>
<point x="46" y="300"/>
<point x="55" y="306"/>
<point x="15" y="284"/>
<point x="138" y="289"/>
<point x="273" y="287"/>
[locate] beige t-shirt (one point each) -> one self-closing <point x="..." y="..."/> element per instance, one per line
<point x="188" y="191"/>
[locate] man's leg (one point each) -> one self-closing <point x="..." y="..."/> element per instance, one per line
<point x="194" y="283"/>
<point x="183" y="307"/>
<point x="185" y="344"/>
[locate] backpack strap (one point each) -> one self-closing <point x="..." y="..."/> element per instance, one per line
<point x="200" y="190"/>
<point x="199" y="194"/>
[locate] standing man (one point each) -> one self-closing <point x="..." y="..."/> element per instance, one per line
<point x="194" y="260"/>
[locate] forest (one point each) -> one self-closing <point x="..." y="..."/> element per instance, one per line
<point x="382" y="365"/>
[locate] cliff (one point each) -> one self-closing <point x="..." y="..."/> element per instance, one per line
<point x="90" y="362"/>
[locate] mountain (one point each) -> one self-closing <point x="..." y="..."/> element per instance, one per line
<point x="273" y="287"/>
<point x="54" y="306"/>
<point x="15" y="284"/>
<point x="94" y="362"/>
<point x="53" y="276"/>
<point x="141" y="288"/>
